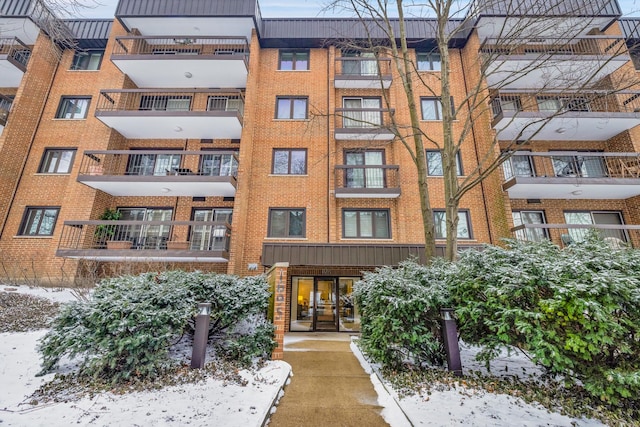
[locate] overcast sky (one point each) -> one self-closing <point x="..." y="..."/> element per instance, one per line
<point x="285" y="8"/>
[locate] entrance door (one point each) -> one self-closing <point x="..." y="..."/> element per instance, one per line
<point x="323" y="301"/>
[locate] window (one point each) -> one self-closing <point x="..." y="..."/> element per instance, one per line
<point x="428" y="61"/>
<point x="210" y="237"/>
<point x="431" y="108"/>
<point x="357" y="118"/>
<point x="144" y="236"/>
<point x="218" y="165"/>
<point x="57" y="161"/>
<point x="530" y="217"/>
<point x="359" y="64"/>
<point x="434" y="163"/>
<point x="293" y="60"/>
<point x="289" y="162"/>
<point x="553" y="104"/>
<point x="225" y="103"/>
<point x="291" y="108"/>
<point x="364" y="177"/>
<point x="154" y="164"/>
<point x="612" y="235"/>
<point x="87" y="60"/>
<point x="366" y="224"/>
<point x="73" y="108"/>
<point x="39" y="221"/>
<point x="464" y="227"/>
<point x="518" y="165"/>
<point x="165" y="103"/>
<point x="286" y="223"/>
<point x="579" y="166"/>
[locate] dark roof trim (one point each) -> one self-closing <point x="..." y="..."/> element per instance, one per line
<point x="549" y="8"/>
<point x="90" y="33"/>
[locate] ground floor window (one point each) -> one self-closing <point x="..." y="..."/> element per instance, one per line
<point x="323" y="304"/>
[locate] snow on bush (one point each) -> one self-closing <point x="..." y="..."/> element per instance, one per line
<point x="128" y="326"/>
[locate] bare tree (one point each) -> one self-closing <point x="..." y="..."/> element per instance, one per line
<point x="547" y="32"/>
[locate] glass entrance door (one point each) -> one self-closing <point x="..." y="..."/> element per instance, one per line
<point x="323" y="301"/>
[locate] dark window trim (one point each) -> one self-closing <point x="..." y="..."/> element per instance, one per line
<point x="291" y="98"/>
<point x="469" y="222"/>
<point x="363" y="150"/>
<point x="439" y="100"/>
<point x="459" y="165"/>
<point x="63" y="98"/>
<point x="50" y="149"/>
<point x="358" y="210"/>
<point x="88" y="52"/>
<point x="23" y="223"/>
<point x="304" y="223"/>
<point x="273" y="161"/>
<point x="430" y="59"/>
<point x="294" y="61"/>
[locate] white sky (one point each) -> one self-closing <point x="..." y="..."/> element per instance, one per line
<point x="284" y="8"/>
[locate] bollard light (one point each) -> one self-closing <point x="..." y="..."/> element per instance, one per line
<point x="201" y="336"/>
<point x="450" y="337"/>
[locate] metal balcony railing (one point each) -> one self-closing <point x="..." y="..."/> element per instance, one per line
<point x="363" y="118"/>
<point x="572" y="164"/>
<point x="159" y="163"/>
<point x="15" y="50"/>
<point x="5" y="107"/>
<point x="363" y="67"/>
<point x="367" y="177"/>
<point x="171" y="101"/>
<point x="586" y="102"/>
<point x="145" y="235"/>
<point x="576" y="46"/>
<point x="616" y="235"/>
<point x="183" y="46"/>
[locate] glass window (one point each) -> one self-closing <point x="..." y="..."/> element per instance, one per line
<point x="612" y="235"/>
<point x="360" y="114"/>
<point x="155" y="164"/>
<point x="87" y="59"/>
<point x="286" y="223"/>
<point x="431" y="108"/>
<point x="165" y="103"/>
<point x="57" y="161"/>
<point x="144" y="236"/>
<point x="434" y="163"/>
<point x="210" y="237"/>
<point x="39" y="221"/>
<point x="366" y="224"/>
<point x="293" y="60"/>
<point x="218" y="165"/>
<point x="518" y="165"/>
<point x="464" y="228"/>
<point x="289" y="162"/>
<point x="73" y="108"/>
<point x="291" y="108"/>
<point x="364" y="177"/>
<point x="428" y="61"/>
<point x="530" y="217"/>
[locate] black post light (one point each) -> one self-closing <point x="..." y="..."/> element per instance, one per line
<point x="450" y="336"/>
<point x="201" y="335"/>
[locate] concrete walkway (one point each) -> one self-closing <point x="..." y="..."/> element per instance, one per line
<point x="328" y="387"/>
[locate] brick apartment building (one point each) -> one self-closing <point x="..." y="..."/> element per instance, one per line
<point x="242" y="145"/>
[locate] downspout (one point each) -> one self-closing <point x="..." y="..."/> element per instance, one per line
<point x="328" y="146"/>
<point x="475" y="146"/>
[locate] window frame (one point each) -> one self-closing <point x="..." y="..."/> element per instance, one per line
<point x="467" y="214"/>
<point x="459" y="168"/>
<point x="438" y="108"/>
<point x="528" y="233"/>
<point x="429" y="59"/>
<point x="292" y="100"/>
<point x="45" y="156"/>
<point x="294" y="60"/>
<point x="77" y="54"/>
<point x="22" y="231"/>
<point x="61" y="111"/>
<point x="287" y="223"/>
<point x="289" y="151"/>
<point x="373" y="229"/>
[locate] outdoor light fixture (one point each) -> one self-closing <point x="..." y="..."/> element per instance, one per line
<point x="165" y="189"/>
<point x="561" y="130"/>
<point x="576" y="192"/>
<point x="177" y="129"/>
<point x="188" y="75"/>
<point x="201" y="335"/>
<point x="450" y="338"/>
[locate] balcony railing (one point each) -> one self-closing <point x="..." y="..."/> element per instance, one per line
<point x="550" y="104"/>
<point x="143" y="238"/>
<point x="172" y="102"/>
<point x="184" y="46"/>
<point x="577" y="46"/>
<point x="16" y="51"/>
<point x="572" y="164"/>
<point x="159" y="163"/>
<point x="616" y="235"/>
<point x="5" y="107"/>
<point x="362" y="123"/>
<point x="373" y="181"/>
<point x="362" y="72"/>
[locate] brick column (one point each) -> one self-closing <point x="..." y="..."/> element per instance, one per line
<point x="277" y="277"/>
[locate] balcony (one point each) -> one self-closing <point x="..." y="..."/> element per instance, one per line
<point x="551" y="62"/>
<point x="583" y="116"/>
<point x="572" y="175"/>
<point x="183" y="62"/>
<point x="5" y="107"/>
<point x="145" y="241"/>
<point x="172" y="114"/>
<point x="367" y="124"/>
<point x="14" y="57"/>
<point x="617" y="235"/>
<point x="161" y="172"/>
<point x="363" y="73"/>
<point x="371" y="181"/>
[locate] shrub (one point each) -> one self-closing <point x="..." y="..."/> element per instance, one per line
<point x="400" y="313"/>
<point x="127" y="327"/>
<point x="575" y="311"/>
